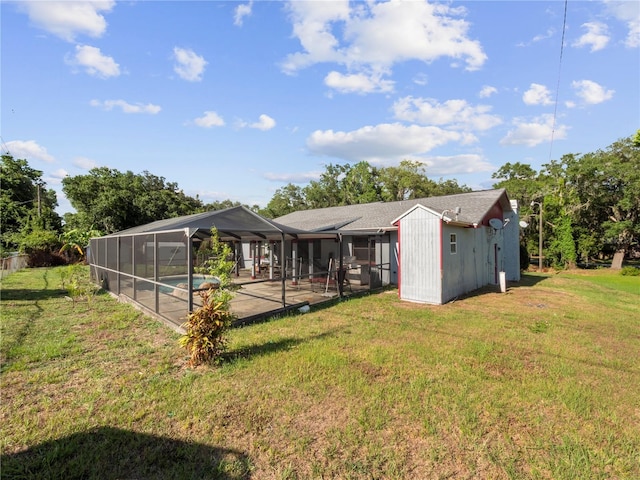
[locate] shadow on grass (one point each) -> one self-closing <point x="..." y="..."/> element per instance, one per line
<point x="27" y="294"/>
<point x="112" y="453"/>
<point x="526" y="280"/>
<point x="529" y="280"/>
<point x="266" y="348"/>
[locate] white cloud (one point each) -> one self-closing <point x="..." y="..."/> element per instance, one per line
<point x="265" y="122"/>
<point x="597" y="36"/>
<point x="534" y="132"/>
<point x="84" y="163"/>
<point x="29" y="150"/>
<point x="421" y="79"/>
<point x="302" y="177"/>
<point x="537" y="95"/>
<point x="381" y="142"/>
<point x="456" y="164"/>
<point x="59" y="174"/>
<point x="68" y="19"/>
<point x="241" y="11"/>
<point x="358" y="83"/>
<point x="209" y="119"/>
<point x="126" y="107"/>
<point x="94" y="62"/>
<point x="312" y="25"/>
<point x="487" y="91"/>
<point x="189" y="65"/>
<point x="454" y="113"/>
<point x="628" y="12"/>
<point x="538" y="38"/>
<point x="590" y="92"/>
<point x="378" y="35"/>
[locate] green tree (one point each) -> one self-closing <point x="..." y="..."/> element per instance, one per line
<point x="409" y="180"/>
<point x="361" y="184"/>
<point x="406" y="181"/>
<point x="616" y="190"/>
<point x="220" y="205"/>
<point x="327" y="190"/>
<point x="110" y="200"/>
<point x="448" y="187"/>
<point x="25" y="203"/>
<point x="520" y="180"/>
<point x="74" y="242"/>
<point x="287" y="199"/>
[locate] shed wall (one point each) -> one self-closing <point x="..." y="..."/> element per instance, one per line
<point x="467" y="269"/>
<point x="420" y="274"/>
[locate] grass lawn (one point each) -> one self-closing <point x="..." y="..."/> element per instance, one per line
<point x="540" y="382"/>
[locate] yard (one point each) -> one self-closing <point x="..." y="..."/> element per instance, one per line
<point x="540" y="382"/>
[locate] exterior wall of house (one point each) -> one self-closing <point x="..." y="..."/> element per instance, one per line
<point x="420" y="247"/>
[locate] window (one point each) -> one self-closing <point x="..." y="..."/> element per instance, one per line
<point x="453" y="242"/>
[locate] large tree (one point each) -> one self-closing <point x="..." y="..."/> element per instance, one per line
<point x="327" y="190"/>
<point x="591" y="202"/>
<point x="110" y="200"/>
<point x="285" y="200"/>
<point x="26" y="204"/>
<point x="361" y="184"/>
<point x="607" y="184"/>
<point x="407" y="180"/>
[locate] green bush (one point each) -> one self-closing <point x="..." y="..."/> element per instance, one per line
<point x="205" y="327"/>
<point x="630" y="271"/>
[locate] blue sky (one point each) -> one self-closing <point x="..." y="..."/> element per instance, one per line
<point x="233" y="100"/>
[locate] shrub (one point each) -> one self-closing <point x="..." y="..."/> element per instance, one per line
<point x="205" y="327"/>
<point x="45" y="258"/>
<point x="630" y="271"/>
<point x="75" y="281"/>
<point x="219" y="259"/>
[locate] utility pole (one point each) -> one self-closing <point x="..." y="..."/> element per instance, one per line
<point x="539" y="234"/>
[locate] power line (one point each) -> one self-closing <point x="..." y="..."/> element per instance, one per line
<point x="555" y="108"/>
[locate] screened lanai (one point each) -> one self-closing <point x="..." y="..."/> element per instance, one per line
<point x="152" y="266"/>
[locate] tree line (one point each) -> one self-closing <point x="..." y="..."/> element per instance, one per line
<point x="590" y="202"/>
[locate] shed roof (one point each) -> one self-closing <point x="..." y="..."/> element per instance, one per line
<point x="379" y="216"/>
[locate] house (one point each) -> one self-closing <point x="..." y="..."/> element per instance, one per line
<point x="434" y="249"/>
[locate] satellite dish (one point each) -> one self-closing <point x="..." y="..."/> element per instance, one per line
<point x="523" y="224"/>
<point x="495" y="223"/>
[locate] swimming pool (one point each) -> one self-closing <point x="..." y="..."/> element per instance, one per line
<point x="182" y="281"/>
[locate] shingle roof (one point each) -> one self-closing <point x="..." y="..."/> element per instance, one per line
<point x="240" y="222"/>
<point x="474" y="206"/>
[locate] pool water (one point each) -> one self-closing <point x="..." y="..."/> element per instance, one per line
<point x="181" y="281"/>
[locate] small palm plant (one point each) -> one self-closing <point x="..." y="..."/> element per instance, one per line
<point x="205" y="327"/>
